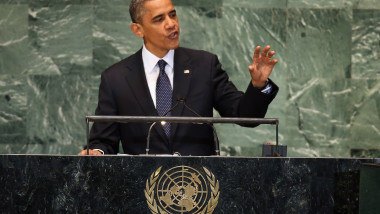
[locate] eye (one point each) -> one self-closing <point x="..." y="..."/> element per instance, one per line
<point x="173" y="14"/>
<point x="158" y="19"/>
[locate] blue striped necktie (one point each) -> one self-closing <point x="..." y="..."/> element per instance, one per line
<point x="163" y="95"/>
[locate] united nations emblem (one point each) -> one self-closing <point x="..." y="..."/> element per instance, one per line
<point x="182" y="189"/>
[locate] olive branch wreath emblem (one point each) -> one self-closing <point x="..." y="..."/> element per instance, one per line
<point x="155" y="209"/>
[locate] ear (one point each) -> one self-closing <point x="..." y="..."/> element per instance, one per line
<point x="137" y="29"/>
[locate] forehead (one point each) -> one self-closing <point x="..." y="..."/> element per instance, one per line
<point x="156" y="7"/>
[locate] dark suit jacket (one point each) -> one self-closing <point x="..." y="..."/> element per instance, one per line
<point x="124" y="91"/>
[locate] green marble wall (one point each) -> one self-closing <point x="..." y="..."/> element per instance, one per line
<point x="52" y="53"/>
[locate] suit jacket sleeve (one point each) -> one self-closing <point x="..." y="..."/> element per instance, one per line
<point x="105" y="135"/>
<point x="230" y="102"/>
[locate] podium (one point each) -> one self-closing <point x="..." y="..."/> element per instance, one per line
<point x="155" y="184"/>
<point x="369" y="188"/>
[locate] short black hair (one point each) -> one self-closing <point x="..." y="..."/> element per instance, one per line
<point x="136" y="10"/>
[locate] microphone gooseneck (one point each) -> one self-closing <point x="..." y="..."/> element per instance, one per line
<point x="154" y="123"/>
<point x="216" y="140"/>
<point x="182" y="100"/>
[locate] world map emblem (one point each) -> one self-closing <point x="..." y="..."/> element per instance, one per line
<point x="182" y="189"/>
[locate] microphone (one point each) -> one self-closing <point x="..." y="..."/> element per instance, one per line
<point x="182" y="100"/>
<point x="154" y="123"/>
<point x="216" y="140"/>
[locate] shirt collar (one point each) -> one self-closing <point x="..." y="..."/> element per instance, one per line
<point x="150" y="60"/>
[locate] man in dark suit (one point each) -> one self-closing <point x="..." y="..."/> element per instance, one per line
<point x="134" y="85"/>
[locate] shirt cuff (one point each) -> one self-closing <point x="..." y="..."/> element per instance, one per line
<point x="267" y="89"/>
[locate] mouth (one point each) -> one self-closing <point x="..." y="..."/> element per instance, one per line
<point x="173" y="35"/>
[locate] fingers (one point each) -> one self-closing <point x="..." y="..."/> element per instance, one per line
<point x="91" y="152"/>
<point x="256" y="54"/>
<point x="263" y="59"/>
<point x="270" y="54"/>
<point x="264" y="53"/>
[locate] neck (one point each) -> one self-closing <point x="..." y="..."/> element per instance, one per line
<point x="157" y="53"/>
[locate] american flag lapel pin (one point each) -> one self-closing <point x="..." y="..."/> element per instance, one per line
<point x="186" y="71"/>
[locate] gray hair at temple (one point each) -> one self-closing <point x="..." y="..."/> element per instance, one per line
<point x="136" y="10"/>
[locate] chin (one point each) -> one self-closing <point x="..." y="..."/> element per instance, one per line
<point x="174" y="46"/>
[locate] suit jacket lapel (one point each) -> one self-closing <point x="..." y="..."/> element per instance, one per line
<point x="137" y="81"/>
<point x="181" y="82"/>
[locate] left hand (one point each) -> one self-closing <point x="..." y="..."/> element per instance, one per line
<point x="91" y="152"/>
<point x="262" y="66"/>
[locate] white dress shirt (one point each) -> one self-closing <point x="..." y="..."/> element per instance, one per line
<point x="152" y="70"/>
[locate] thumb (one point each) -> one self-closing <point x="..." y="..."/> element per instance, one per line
<point x="251" y="68"/>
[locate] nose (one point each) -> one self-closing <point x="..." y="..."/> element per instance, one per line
<point x="170" y="23"/>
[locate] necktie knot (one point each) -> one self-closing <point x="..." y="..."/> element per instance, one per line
<point x="161" y="65"/>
